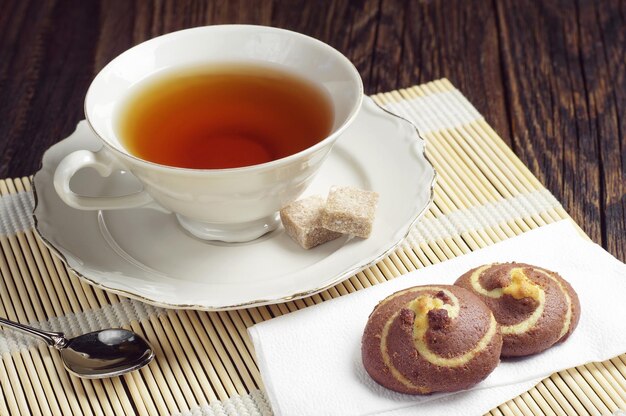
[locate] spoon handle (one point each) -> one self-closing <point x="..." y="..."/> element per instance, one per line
<point x="53" y="339"/>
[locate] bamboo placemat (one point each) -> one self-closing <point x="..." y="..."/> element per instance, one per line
<point x="204" y="362"/>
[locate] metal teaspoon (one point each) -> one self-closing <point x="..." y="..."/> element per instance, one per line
<point x="99" y="354"/>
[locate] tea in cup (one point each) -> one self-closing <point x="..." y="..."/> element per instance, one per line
<point x="222" y="125"/>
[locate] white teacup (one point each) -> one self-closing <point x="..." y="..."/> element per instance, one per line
<point x="238" y="204"/>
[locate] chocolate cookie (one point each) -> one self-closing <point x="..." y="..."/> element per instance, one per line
<point x="535" y="307"/>
<point x="428" y="339"/>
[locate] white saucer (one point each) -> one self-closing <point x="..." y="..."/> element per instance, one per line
<point x="145" y="254"/>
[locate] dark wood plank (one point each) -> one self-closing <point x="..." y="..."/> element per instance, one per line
<point x="608" y="89"/>
<point x="564" y="106"/>
<point x="46" y="80"/>
<point x="454" y="39"/>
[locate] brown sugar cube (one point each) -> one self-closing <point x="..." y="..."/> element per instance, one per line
<point x="302" y="222"/>
<point x="350" y="210"/>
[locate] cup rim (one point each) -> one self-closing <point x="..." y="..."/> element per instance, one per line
<point x="251" y="168"/>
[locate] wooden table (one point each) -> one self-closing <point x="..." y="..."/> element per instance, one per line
<point x="550" y="76"/>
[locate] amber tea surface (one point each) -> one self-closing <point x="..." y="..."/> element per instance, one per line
<point x="223" y="117"/>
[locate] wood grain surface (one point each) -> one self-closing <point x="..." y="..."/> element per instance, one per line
<point x="549" y="76"/>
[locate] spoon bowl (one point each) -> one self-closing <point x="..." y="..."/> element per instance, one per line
<point x="106" y="353"/>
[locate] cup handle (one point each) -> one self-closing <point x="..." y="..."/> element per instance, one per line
<point x="104" y="164"/>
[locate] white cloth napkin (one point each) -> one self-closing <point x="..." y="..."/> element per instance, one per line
<point x="310" y="360"/>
